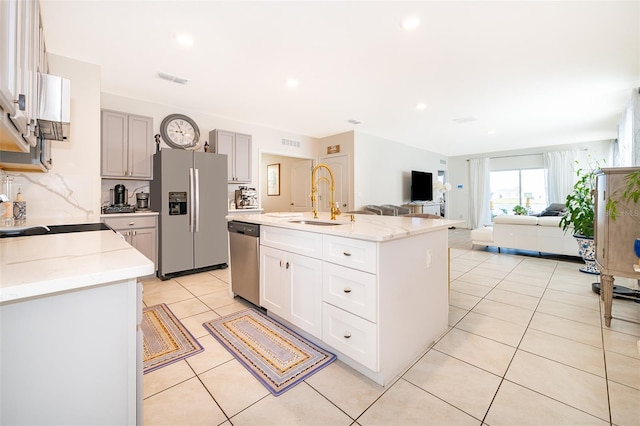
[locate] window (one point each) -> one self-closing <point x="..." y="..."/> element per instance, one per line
<point x="524" y="187"/>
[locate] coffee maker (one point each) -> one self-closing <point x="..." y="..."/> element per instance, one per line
<point x="142" y="201"/>
<point x="119" y="201"/>
<point x="246" y="198"/>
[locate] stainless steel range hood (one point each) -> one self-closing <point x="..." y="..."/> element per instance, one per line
<point x="54" y="107"/>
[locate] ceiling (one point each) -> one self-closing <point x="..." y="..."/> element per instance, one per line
<point x="493" y="75"/>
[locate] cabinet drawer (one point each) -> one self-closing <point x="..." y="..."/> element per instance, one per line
<point x="300" y="242"/>
<point x="131" y="222"/>
<point x="353" y="336"/>
<point x="355" y="254"/>
<point x="349" y="289"/>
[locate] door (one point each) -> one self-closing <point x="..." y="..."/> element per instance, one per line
<point x="242" y="158"/>
<point x="340" y="167"/>
<point x="273" y="286"/>
<point x="224" y="146"/>
<point x="211" y="236"/>
<point x="176" y="240"/>
<point x="140" y="133"/>
<point x="305" y="282"/>
<point x="114" y="143"/>
<point x="301" y="185"/>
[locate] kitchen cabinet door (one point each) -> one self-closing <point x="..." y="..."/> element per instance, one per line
<point x="273" y="286"/>
<point x="19" y="54"/>
<point x="305" y="284"/>
<point x="140" y="146"/>
<point x="291" y="287"/>
<point x="237" y="148"/>
<point x="127" y="145"/>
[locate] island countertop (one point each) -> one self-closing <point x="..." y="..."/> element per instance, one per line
<point x="365" y="227"/>
<point x="40" y="265"/>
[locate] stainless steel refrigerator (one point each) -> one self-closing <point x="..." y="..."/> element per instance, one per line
<point x="189" y="190"/>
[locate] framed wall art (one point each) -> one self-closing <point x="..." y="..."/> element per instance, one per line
<point x="273" y="179"/>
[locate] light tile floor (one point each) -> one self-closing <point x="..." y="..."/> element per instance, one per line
<point x="526" y="346"/>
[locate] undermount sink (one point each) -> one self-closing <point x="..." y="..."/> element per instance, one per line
<point x="318" y="222"/>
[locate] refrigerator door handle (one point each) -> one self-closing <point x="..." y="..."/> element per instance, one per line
<point x="197" y="205"/>
<point x="192" y="206"/>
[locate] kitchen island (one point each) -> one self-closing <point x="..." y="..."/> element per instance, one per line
<point x="374" y="291"/>
<point x="70" y="349"/>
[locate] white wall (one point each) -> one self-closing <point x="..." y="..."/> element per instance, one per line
<point x="382" y="169"/>
<point x="458" y="201"/>
<point x="71" y="189"/>
<point x="263" y="138"/>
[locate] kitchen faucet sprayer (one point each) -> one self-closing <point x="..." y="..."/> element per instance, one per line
<point x="335" y="210"/>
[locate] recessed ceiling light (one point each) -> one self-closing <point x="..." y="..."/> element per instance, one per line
<point x="421" y="106"/>
<point x="491" y="132"/>
<point x="184" y="39"/>
<point x="410" y="23"/>
<point x="292" y="83"/>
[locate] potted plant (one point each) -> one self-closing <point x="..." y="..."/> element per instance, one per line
<point x="519" y="210"/>
<point x="580" y="214"/>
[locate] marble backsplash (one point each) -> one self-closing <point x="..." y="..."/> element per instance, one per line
<point x="53" y="195"/>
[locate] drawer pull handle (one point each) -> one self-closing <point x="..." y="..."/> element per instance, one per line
<point x="281" y="263"/>
<point x="132" y="223"/>
<point x="347" y="290"/>
<point x="346" y="253"/>
<point x="347" y="335"/>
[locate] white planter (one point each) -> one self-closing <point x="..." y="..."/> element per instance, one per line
<point x="587" y="250"/>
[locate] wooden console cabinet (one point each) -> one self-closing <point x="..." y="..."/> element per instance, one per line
<point x="614" y="238"/>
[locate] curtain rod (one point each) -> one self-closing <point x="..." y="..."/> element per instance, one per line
<point x="525" y="155"/>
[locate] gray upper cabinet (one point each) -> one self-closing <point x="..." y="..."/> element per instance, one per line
<point x="127" y="145"/>
<point x="237" y="148"/>
<point x="21" y="56"/>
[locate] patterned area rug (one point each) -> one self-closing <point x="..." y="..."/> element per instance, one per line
<point x="166" y="340"/>
<point x="275" y="355"/>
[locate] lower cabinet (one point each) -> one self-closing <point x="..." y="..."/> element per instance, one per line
<point x="291" y="287"/>
<point x="139" y="231"/>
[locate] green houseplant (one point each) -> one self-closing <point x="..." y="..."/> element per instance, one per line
<point x="519" y="210"/>
<point x="631" y="192"/>
<point x="580" y="215"/>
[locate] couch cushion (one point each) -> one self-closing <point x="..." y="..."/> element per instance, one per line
<point x="516" y="220"/>
<point x="549" y="221"/>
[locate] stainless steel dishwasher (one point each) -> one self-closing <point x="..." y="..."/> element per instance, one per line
<point x="244" y="245"/>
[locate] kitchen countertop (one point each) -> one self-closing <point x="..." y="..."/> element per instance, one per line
<point x="365" y="227"/>
<point x="137" y="213"/>
<point x="41" y="265"/>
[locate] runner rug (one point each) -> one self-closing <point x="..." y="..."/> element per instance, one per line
<point x="275" y="355"/>
<point x="165" y="340"/>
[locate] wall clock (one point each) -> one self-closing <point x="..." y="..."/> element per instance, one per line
<point x="179" y="131"/>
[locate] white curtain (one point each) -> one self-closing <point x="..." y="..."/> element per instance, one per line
<point x="627" y="148"/>
<point x="560" y="176"/>
<point x="479" y="193"/>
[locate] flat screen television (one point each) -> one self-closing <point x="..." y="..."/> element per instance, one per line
<point x="421" y="186"/>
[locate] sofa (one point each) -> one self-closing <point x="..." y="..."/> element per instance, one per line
<point x="534" y="233"/>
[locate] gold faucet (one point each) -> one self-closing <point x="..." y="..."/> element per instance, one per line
<point x="335" y="210"/>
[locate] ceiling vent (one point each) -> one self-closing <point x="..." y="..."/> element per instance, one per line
<point x="172" y="78"/>
<point x="465" y="120"/>
<point x="289" y="142"/>
<point x="354" y="121"/>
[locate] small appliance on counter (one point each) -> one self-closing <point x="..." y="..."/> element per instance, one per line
<point x="246" y="198"/>
<point x="142" y="201"/>
<point x="119" y="201"/>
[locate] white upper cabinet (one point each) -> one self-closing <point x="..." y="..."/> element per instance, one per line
<point x="21" y="56"/>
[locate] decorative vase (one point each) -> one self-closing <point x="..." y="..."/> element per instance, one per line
<point x="587" y="250"/>
<point x="636" y="249"/>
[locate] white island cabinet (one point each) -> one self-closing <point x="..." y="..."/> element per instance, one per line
<point x="70" y="343"/>
<point x="373" y="291"/>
